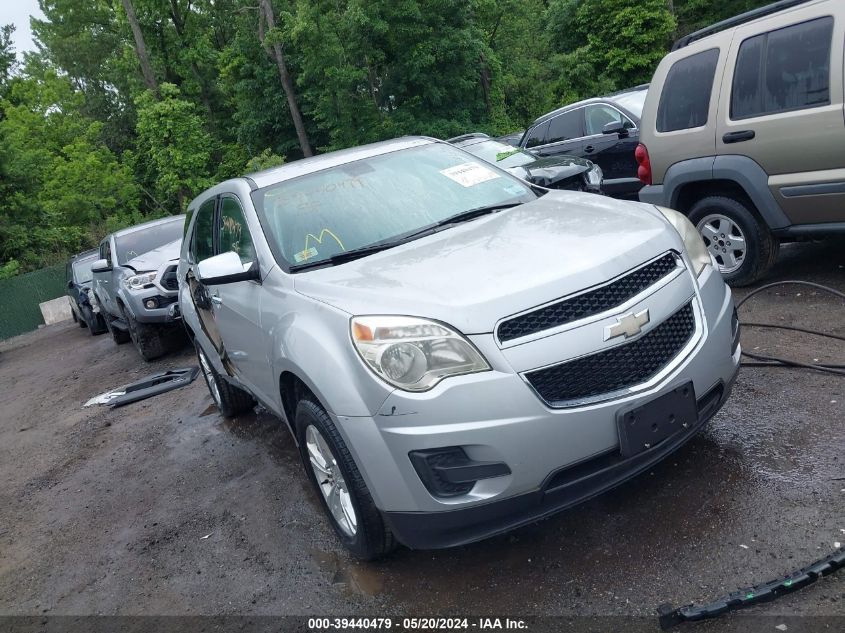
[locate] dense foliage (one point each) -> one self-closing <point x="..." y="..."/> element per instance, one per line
<point x="131" y="107"/>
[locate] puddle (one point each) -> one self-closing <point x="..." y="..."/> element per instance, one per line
<point x="356" y="577"/>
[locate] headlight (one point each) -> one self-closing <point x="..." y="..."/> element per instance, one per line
<point x="413" y="354"/>
<point x="595" y="175"/>
<point x="693" y="242"/>
<point x="136" y="282"/>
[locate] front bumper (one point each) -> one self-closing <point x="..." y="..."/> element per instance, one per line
<point x="557" y="457"/>
<point x="562" y="489"/>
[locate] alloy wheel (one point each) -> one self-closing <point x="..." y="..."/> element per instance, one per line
<point x="725" y="240"/>
<point x="330" y="481"/>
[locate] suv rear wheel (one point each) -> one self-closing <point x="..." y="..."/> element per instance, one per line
<point x="340" y="487"/>
<point x="742" y="245"/>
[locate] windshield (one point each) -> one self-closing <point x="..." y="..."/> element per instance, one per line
<point x="377" y="200"/>
<point x="632" y="101"/>
<point x="500" y="154"/>
<point x="82" y="269"/>
<point x="145" y="240"/>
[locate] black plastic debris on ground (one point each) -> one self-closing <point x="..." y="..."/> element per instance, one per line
<point x="766" y="592"/>
<point x="155" y="385"/>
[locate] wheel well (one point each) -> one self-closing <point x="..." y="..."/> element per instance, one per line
<point x="692" y="192"/>
<point x="292" y="390"/>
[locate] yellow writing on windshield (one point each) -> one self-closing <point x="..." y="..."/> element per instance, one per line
<point x="319" y="239"/>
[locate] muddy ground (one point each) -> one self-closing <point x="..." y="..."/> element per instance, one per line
<point x="165" y="508"/>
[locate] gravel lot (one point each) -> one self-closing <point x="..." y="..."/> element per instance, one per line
<point x="164" y="508"/>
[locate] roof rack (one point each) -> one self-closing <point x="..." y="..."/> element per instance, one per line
<point x="742" y="18"/>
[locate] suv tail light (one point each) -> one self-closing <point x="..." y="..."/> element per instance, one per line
<point x="644" y="168"/>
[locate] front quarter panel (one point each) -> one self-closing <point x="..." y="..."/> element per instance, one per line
<point x="311" y="340"/>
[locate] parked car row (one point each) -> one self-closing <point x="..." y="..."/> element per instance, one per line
<point x="741" y="129"/>
<point x="129" y="288"/>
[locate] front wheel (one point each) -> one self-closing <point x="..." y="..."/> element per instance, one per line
<point x="229" y="399"/>
<point x="147" y="338"/>
<point x="740" y="242"/>
<point x="343" y="494"/>
<point x="119" y="336"/>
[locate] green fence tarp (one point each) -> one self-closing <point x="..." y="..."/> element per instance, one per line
<point x="20" y="296"/>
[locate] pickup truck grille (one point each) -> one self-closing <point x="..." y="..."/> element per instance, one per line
<point x="589" y="303"/>
<point x="169" y="280"/>
<point x="617" y="368"/>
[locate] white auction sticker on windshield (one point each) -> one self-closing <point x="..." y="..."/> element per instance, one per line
<point x="469" y="174"/>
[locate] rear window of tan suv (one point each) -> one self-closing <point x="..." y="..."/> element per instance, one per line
<point x="685" y="100"/>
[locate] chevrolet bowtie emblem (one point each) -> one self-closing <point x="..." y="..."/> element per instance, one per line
<point x="630" y="325"/>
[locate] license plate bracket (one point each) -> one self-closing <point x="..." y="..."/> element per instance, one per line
<point x="645" y="426"/>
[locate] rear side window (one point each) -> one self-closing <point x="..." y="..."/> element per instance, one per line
<point x="566" y="126"/>
<point x="202" y="246"/>
<point x="783" y="70"/>
<point x="685" y="99"/>
<point x="537" y="136"/>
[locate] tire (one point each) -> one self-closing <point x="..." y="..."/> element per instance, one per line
<point x="230" y="400"/>
<point x="147" y="338"/>
<point x="90" y="320"/>
<point x="718" y="219"/>
<point x="369" y="538"/>
<point x="120" y="337"/>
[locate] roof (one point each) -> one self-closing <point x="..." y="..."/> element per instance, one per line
<point x="578" y="104"/>
<point x="93" y="253"/>
<point x="146" y="225"/>
<point x="742" y="18"/>
<point x="333" y="159"/>
<point x="478" y="136"/>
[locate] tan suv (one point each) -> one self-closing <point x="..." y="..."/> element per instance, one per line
<point x="743" y="130"/>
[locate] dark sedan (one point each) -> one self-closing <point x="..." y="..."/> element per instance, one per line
<point x="83" y="306"/>
<point x="558" y="172"/>
<point x="604" y="130"/>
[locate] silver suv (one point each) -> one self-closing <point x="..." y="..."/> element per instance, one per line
<point x="743" y="131"/>
<point x="456" y="352"/>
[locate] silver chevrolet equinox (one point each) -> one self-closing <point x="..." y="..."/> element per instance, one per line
<point x="457" y="352"/>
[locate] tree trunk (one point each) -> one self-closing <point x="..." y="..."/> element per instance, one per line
<point x="140" y="47"/>
<point x="277" y="53"/>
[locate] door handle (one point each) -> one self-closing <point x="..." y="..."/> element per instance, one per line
<point x="589" y="149"/>
<point x="216" y="300"/>
<point x="738" y="137"/>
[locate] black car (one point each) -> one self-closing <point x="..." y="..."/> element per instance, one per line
<point x="83" y="306"/>
<point x="557" y="172"/>
<point x="605" y="130"/>
<point x="511" y="139"/>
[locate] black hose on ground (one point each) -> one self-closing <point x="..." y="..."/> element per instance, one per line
<point x="761" y="360"/>
<point x="670" y="616"/>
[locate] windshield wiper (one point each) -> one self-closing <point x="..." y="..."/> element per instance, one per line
<point x="477" y="212"/>
<point x="348" y="256"/>
<point x="345" y="256"/>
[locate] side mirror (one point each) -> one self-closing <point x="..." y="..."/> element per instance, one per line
<point x="226" y="268"/>
<point x="615" y="127"/>
<point x="101" y="266"/>
<point x="70" y="285"/>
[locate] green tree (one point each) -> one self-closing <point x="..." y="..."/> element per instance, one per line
<point x="174" y="149"/>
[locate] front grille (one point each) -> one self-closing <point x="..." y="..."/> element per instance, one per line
<point x="617" y="368"/>
<point x="589" y="303"/>
<point x="169" y="280"/>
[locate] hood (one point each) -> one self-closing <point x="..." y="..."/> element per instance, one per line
<point x="548" y="171"/>
<point x="153" y="260"/>
<point x="475" y="273"/>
